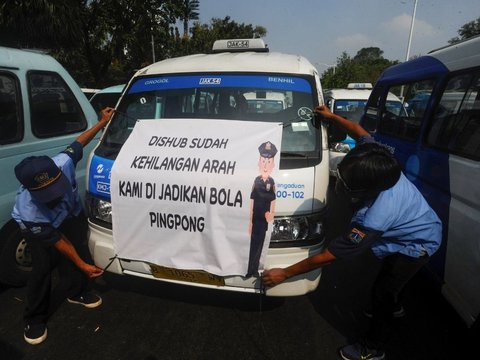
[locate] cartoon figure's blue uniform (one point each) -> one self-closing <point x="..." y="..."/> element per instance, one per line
<point x="262" y="196"/>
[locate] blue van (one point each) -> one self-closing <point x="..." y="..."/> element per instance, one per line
<point x="43" y="111"/>
<point x="437" y="140"/>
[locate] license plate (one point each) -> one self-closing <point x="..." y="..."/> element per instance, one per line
<point x="195" y="276"/>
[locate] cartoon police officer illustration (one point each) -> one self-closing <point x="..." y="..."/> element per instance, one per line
<point x="262" y="205"/>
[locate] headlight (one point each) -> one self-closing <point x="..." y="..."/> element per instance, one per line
<point x="297" y="229"/>
<point x="99" y="209"/>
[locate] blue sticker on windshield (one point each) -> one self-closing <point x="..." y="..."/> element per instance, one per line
<point x="286" y="83"/>
<point x="99" y="176"/>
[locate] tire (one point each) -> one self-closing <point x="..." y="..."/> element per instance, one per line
<point x="15" y="258"/>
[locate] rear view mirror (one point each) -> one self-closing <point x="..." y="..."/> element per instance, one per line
<point x="335" y="132"/>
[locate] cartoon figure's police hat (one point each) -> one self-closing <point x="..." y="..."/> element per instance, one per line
<point x="267" y="150"/>
<point x="42" y="177"/>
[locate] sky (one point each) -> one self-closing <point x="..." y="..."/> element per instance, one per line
<point x="321" y="30"/>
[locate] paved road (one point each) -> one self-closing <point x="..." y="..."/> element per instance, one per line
<point x="158" y="321"/>
<point x="146" y="320"/>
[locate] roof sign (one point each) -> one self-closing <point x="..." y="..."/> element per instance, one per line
<point x="359" y="86"/>
<point x="238" y="45"/>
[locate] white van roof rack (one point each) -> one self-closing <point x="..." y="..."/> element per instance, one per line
<point x="239" y="45"/>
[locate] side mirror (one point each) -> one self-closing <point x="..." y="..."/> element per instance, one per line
<point x="335" y="133"/>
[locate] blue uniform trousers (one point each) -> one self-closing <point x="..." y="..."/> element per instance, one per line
<point x="41" y="300"/>
<point x="396" y="270"/>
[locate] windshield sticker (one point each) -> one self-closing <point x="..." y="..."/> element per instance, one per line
<point x="305" y="113"/>
<point x="300" y="126"/>
<point x="224" y="81"/>
<point x="99" y="179"/>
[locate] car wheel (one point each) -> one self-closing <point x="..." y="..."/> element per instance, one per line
<point x="15" y="257"/>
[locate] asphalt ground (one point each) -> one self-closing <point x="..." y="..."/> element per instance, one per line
<point x="152" y="320"/>
<point x="141" y="319"/>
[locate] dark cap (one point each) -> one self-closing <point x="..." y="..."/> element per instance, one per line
<point x="267" y="150"/>
<point x="42" y="177"/>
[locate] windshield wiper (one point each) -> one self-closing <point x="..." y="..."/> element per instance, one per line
<point x="293" y="154"/>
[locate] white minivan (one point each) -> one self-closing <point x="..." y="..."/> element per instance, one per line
<point x="350" y="103"/>
<point x="216" y="86"/>
<point x="42" y="111"/>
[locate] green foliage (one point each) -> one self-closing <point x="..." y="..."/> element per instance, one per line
<point x="204" y="35"/>
<point x="365" y="66"/>
<point x="103" y="42"/>
<point x="467" y="31"/>
<point x="189" y="11"/>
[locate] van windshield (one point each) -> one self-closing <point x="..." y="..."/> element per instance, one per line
<point x="247" y="97"/>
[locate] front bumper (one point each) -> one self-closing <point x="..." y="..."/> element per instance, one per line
<point x="103" y="253"/>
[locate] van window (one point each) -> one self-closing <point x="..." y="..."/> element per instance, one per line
<point x="350" y="109"/>
<point x="102" y="100"/>
<point x="220" y="97"/>
<point x="456" y="122"/>
<point x="11" y="116"/>
<point x="406" y="123"/>
<point x="54" y="109"/>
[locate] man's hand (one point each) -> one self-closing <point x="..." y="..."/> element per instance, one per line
<point x="92" y="271"/>
<point x="274" y="277"/>
<point x="106" y="113"/>
<point x="324" y="112"/>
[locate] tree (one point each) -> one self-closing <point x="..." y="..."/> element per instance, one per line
<point x="203" y="35"/>
<point x="90" y="37"/>
<point x="467" y="31"/>
<point x="102" y="42"/>
<point x="189" y="12"/>
<point x="38" y="23"/>
<point x="365" y="66"/>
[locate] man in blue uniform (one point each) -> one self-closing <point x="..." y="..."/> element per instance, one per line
<point x="262" y="205"/>
<point x="390" y="217"/>
<point x="49" y="212"/>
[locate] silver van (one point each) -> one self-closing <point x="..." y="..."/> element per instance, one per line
<point x="42" y="111"/>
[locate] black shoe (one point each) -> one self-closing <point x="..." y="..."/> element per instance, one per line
<point x="398" y="311"/>
<point x="88" y="299"/>
<point x="360" y="352"/>
<point x="35" y="333"/>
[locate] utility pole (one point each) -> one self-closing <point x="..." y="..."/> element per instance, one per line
<point x="411" y="31"/>
<point x="153" y="48"/>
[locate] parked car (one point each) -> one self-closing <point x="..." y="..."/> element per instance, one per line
<point x="107" y="97"/>
<point x="43" y="110"/>
<point x="89" y="92"/>
<point x="350" y="103"/>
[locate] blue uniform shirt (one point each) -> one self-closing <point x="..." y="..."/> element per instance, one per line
<point x="399" y="220"/>
<point x="39" y="220"/>
<point x="408" y="224"/>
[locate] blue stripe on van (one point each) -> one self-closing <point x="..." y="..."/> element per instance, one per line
<point x="221" y="81"/>
<point x="99" y="176"/>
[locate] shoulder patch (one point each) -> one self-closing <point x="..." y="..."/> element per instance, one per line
<point x="356" y="236"/>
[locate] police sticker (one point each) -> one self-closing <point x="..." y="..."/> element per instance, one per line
<point x="356" y="236"/>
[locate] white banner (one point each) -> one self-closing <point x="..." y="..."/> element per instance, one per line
<point x="181" y="194"/>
